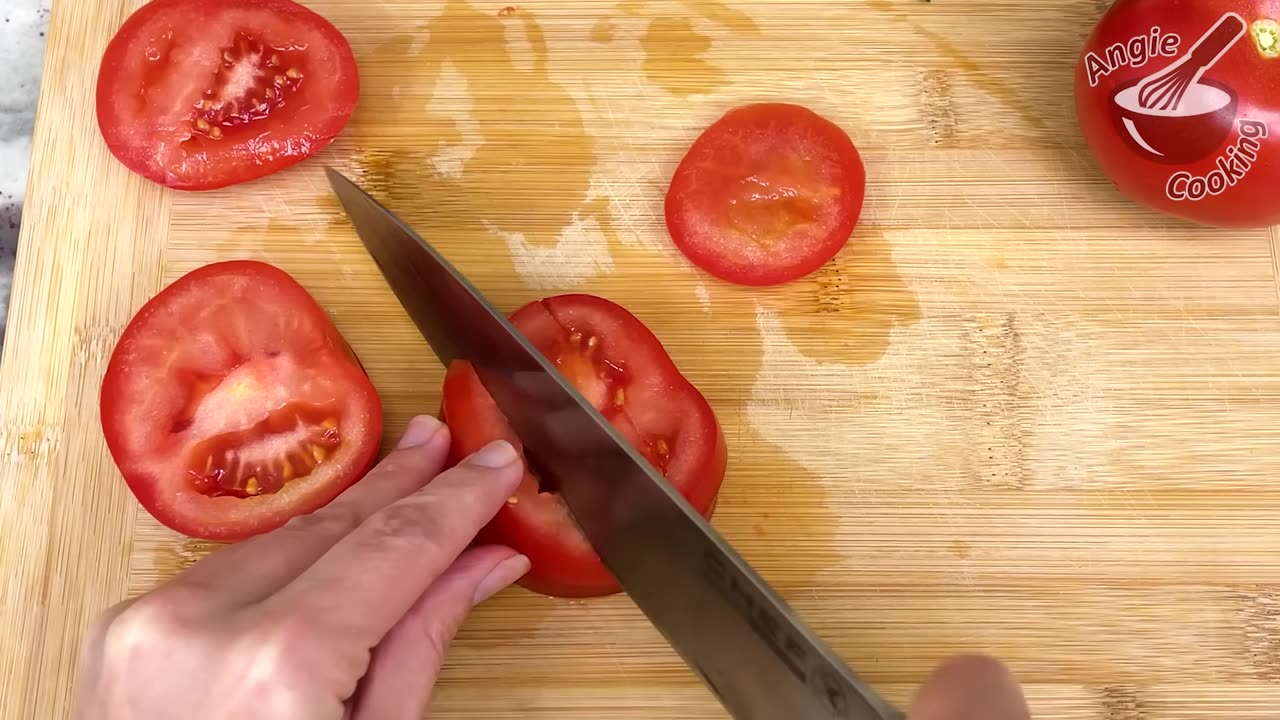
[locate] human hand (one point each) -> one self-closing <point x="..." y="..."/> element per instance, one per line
<point x="343" y="613"/>
<point x="970" y="687"/>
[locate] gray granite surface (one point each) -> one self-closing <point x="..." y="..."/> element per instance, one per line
<point x="23" y="24"/>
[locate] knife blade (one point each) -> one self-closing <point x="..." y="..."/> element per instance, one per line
<point x="746" y="643"/>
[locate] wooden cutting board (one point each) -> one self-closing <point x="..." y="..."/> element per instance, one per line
<point x="1018" y="414"/>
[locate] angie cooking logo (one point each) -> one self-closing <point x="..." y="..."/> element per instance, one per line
<point x="1177" y="116"/>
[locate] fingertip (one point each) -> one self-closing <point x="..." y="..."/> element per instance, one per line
<point x="970" y="686"/>
<point x="421" y="430"/>
<point x="503" y="575"/>
<point x="494" y="456"/>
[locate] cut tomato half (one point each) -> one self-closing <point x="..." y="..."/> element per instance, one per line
<point x="201" y="94"/>
<point x="231" y="403"/>
<point x="622" y="369"/>
<point x="767" y="194"/>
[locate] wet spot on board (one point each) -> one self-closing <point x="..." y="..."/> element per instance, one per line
<point x="675" y="58"/>
<point x="169" y="559"/>
<point x="602" y="31"/>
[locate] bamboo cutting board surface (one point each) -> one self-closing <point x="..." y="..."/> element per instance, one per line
<point x="1018" y="414"/>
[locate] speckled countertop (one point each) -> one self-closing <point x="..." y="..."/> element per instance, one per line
<point x="23" y="24"/>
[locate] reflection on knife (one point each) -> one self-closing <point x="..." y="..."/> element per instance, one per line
<point x="731" y="627"/>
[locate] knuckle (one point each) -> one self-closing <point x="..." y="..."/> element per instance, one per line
<point x="414" y="518"/>
<point x="152" y="622"/>
<point x="334" y="520"/>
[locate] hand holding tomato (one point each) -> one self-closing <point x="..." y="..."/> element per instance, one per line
<point x="345" y="612"/>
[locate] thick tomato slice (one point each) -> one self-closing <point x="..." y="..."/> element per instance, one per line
<point x="201" y="94"/>
<point x="767" y="194"/>
<point x="231" y="403"/>
<point x="623" y="370"/>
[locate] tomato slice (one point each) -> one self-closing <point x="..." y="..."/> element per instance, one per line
<point x="231" y="403"/>
<point x="767" y="194"/>
<point x="201" y="94"/>
<point x="622" y="369"/>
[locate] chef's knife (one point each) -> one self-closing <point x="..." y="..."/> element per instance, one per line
<point x="745" y="642"/>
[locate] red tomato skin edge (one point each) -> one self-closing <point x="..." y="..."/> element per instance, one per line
<point x="603" y="582"/>
<point x="136" y="159"/>
<point x="144" y="491"/>
<point x="839" y="237"/>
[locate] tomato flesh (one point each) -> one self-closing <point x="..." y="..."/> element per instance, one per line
<point x="767" y="194"/>
<point x="231" y="403"/>
<point x="622" y="369"/>
<point x="1179" y="104"/>
<point x="201" y="94"/>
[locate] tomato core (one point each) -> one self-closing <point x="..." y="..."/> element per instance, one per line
<point x="252" y="81"/>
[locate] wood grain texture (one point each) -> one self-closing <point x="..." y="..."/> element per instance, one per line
<point x="1018" y="414"/>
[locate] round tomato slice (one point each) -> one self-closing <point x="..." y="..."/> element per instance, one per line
<point x="201" y="94"/>
<point x="767" y="194"/>
<point x="231" y="403"/>
<point x="623" y="370"/>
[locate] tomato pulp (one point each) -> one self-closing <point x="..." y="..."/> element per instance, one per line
<point x="1180" y="106"/>
<point x="231" y="403"/>
<point x="201" y="94"/>
<point x="622" y="369"/>
<point x="767" y="194"/>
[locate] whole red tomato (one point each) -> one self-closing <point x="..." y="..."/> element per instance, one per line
<point x="1179" y="101"/>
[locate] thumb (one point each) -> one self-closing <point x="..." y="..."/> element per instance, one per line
<point x="405" y="664"/>
<point x="970" y="687"/>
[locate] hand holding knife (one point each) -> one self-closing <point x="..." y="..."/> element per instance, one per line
<point x="730" y="626"/>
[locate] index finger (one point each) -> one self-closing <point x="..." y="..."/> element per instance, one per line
<point x="360" y="588"/>
<point x="256" y="568"/>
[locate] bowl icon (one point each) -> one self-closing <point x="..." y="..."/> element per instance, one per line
<point x="1187" y="133"/>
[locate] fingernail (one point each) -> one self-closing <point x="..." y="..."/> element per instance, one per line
<point x="421" y="429"/>
<point x="497" y="454"/>
<point x="507" y="572"/>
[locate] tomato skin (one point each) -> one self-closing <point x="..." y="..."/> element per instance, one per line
<point x="146" y="105"/>
<point x="767" y="194"/>
<point x="662" y="401"/>
<point x="166" y="402"/>
<point x="1218" y="167"/>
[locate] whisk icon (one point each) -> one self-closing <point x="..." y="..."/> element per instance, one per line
<point x="1165" y="89"/>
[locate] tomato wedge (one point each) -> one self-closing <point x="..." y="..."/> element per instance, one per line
<point x="767" y="194"/>
<point x="231" y="403"/>
<point x="201" y="94"/>
<point x="623" y="370"/>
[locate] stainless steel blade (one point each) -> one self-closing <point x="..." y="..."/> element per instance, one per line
<point x="747" y="644"/>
